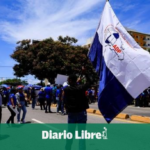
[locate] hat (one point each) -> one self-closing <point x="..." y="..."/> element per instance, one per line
<point x="65" y="84"/>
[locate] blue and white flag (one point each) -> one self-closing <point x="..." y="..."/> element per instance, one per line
<point x="123" y="66"/>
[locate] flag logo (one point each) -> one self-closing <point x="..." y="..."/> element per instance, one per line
<point x="113" y="41"/>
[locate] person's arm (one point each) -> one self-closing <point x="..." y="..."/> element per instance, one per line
<point x="18" y="99"/>
<point x="12" y="102"/>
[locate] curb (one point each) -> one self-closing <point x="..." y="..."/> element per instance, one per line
<point x="140" y="119"/>
<point x="97" y="112"/>
<point x="120" y="116"/>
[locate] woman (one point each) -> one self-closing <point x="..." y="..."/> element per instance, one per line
<point x="11" y="105"/>
<point x="21" y="105"/>
<point x="41" y="95"/>
<point x="33" y="97"/>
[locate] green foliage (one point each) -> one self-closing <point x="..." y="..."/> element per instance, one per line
<point x="47" y="58"/>
<point x="14" y="82"/>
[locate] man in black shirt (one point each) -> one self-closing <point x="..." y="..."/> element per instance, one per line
<point x="75" y="99"/>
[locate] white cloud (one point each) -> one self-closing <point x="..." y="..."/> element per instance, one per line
<point x="48" y="18"/>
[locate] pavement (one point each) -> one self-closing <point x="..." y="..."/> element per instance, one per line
<point x="130" y="110"/>
<point x="39" y="116"/>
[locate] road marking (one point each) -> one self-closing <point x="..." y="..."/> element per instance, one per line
<point x="117" y="119"/>
<point x="38" y="121"/>
<point x="45" y="124"/>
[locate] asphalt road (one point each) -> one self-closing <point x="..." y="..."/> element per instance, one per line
<point x="39" y="116"/>
<point x="130" y="110"/>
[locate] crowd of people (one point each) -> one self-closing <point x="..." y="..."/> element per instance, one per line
<point x="143" y="99"/>
<point x="17" y="99"/>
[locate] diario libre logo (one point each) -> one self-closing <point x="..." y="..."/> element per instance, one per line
<point x="83" y="134"/>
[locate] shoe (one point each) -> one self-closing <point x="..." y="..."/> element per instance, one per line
<point x="23" y="122"/>
<point x="50" y="112"/>
<point x="18" y="122"/>
<point x="46" y="112"/>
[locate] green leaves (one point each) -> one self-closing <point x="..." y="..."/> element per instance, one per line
<point x="47" y="58"/>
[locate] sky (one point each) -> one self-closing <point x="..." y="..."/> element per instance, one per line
<point x="40" y="19"/>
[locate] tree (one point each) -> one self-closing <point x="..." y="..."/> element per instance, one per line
<point x="14" y="82"/>
<point x="47" y="58"/>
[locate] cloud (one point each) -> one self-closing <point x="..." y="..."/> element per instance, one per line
<point x="48" y="18"/>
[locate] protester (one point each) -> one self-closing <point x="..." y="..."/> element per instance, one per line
<point x="11" y="105"/>
<point x="26" y="98"/>
<point x="33" y="97"/>
<point x="21" y="105"/>
<point x="58" y="96"/>
<point x="41" y="98"/>
<point x="0" y="105"/>
<point x="54" y="93"/>
<point x="5" y="96"/>
<point x="48" y="96"/>
<point x="92" y="95"/>
<point x="60" y="105"/>
<point x="76" y="102"/>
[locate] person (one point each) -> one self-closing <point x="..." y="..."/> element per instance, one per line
<point x="11" y="105"/>
<point x="41" y="99"/>
<point x="59" y="99"/>
<point x="0" y="105"/>
<point x="92" y="95"/>
<point x="5" y="96"/>
<point x="75" y="100"/>
<point x="26" y="98"/>
<point x="21" y="105"/>
<point x="48" y="96"/>
<point x="54" y="93"/>
<point x="33" y="97"/>
<point x="76" y="104"/>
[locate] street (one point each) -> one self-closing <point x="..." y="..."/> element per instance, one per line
<point x="39" y="116"/>
<point x="130" y="110"/>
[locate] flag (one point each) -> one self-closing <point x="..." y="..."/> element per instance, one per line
<point x="122" y="65"/>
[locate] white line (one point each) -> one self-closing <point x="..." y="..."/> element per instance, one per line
<point x="51" y="127"/>
<point x="38" y="121"/>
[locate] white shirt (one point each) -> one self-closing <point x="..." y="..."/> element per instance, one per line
<point x="0" y="100"/>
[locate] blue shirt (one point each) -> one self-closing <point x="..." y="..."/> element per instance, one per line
<point x="57" y="92"/>
<point x="14" y="99"/>
<point x="41" y="94"/>
<point x="48" y="91"/>
<point x="22" y="97"/>
<point x="5" y="92"/>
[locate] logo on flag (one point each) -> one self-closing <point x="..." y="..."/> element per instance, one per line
<point x="113" y="42"/>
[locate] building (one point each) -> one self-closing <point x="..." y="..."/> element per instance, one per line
<point x="142" y="39"/>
